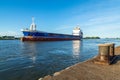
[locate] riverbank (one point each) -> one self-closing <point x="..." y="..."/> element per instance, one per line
<point x="89" y="71"/>
<point x="9" y="38"/>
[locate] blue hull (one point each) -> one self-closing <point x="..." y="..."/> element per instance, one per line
<point x="44" y="36"/>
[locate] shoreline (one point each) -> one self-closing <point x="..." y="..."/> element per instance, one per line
<point x="88" y="70"/>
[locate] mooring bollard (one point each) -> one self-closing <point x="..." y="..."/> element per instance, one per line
<point x="112" y="49"/>
<point x="104" y="52"/>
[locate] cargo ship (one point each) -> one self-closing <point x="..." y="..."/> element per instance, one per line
<point x="34" y="35"/>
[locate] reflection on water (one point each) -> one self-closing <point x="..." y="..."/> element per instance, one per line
<point x="76" y="48"/>
<point x="31" y="50"/>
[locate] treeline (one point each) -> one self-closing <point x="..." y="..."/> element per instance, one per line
<point x="92" y="37"/>
<point x="8" y="38"/>
<point x="112" y="38"/>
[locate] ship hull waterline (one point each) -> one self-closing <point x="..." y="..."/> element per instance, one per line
<point x="47" y="39"/>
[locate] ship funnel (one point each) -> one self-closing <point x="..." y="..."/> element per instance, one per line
<point x="77" y="31"/>
<point x="33" y="25"/>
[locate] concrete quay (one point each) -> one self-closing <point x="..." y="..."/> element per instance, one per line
<point x="88" y="70"/>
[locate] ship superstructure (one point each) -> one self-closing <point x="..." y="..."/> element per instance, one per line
<point x="34" y="35"/>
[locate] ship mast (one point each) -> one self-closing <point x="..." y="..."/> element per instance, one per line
<point x="33" y="26"/>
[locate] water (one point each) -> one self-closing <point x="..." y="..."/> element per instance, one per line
<point x="32" y="60"/>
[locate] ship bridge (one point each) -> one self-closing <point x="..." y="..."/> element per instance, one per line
<point x="77" y="31"/>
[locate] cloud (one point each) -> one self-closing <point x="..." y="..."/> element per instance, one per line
<point x="63" y="27"/>
<point x="10" y="33"/>
<point x="102" y="20"/>
<point x="108" y="30"/>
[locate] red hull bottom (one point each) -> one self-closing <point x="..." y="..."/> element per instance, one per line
<point x="47" y="39"/>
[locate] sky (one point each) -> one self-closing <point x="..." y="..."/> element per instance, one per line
<point x="95" y="17"/>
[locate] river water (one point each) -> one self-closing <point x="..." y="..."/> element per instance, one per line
<point x="32" y="60"/>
